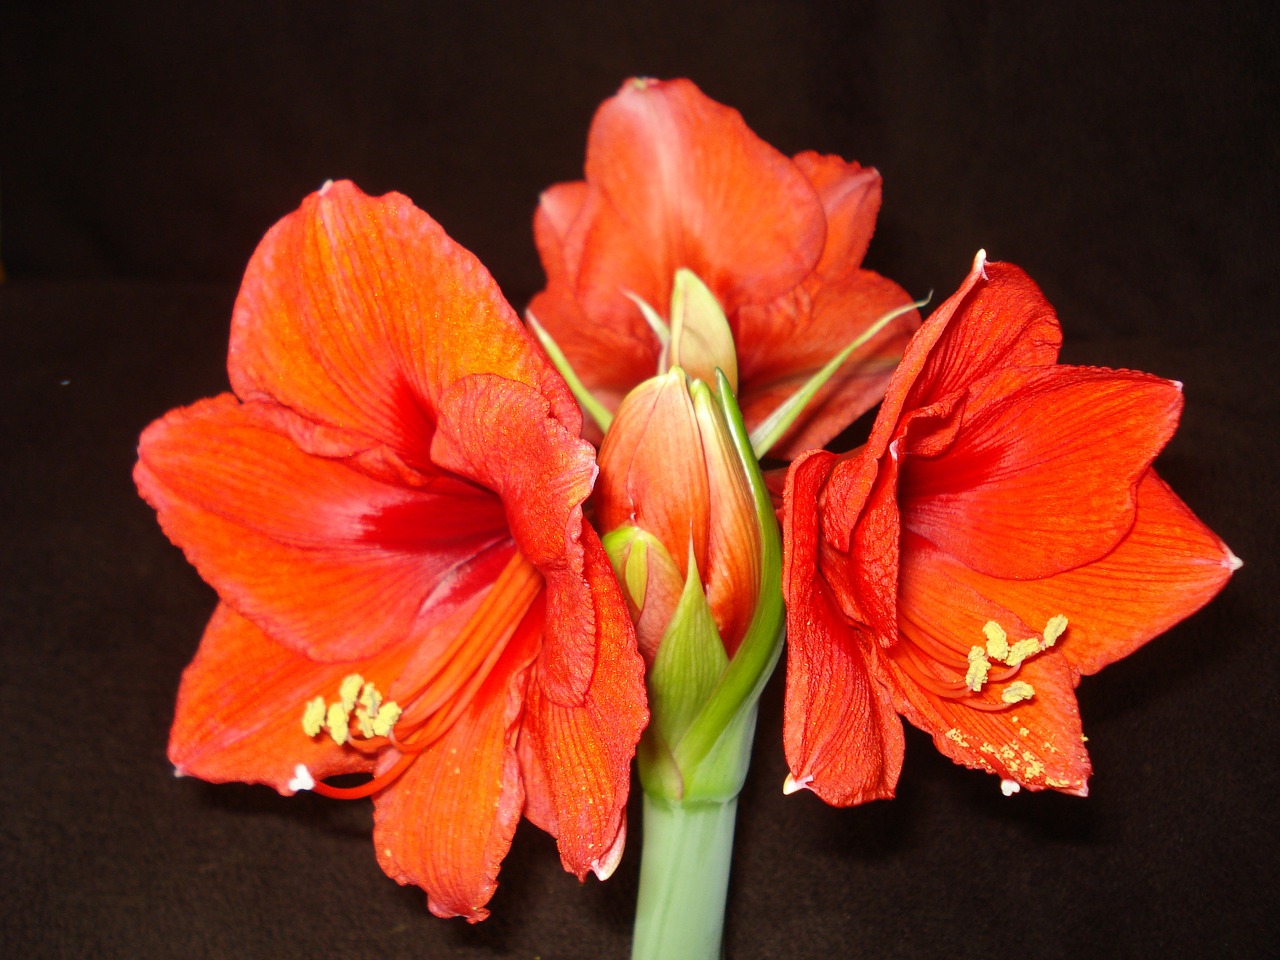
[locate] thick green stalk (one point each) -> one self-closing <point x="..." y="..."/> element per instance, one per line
<point x="684" y="879"/>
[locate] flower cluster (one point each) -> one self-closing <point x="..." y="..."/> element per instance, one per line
<point x="428" y="574"/>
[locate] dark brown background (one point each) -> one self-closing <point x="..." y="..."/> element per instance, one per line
<point x="1125" y="154"/>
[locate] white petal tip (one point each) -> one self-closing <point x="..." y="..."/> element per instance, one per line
<point x="302" y="779"/>
<point x="1009" y="787"/>
<point x="603" y="871"/>
<point x="791" y="785"/>
<point x="325" y="187"/>
<point x="1232" y="562"/>
<point x="1177" y="385"/>
<point x="604" y="866"/>
<point x="178" y="773"/>
<point x="980" y="263"/>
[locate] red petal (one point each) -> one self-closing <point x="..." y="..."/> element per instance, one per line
<point x="328" y="560"/>
<point x="1039" y="742"/>
<point x="850" y="195"/>
<point x="858" y="518"/>
<point x="1043" y="469"/>
<point x="998" y="319"/>
<point x="447" y="822"/>
<point x="609" y="358"/>
<point x="357" y="312"/>
<point x="784" y="343"/>
<point x="1167" y="567"/>
<point x="685" y="183"/>
<point x="239" y="715"/>
<point x="577" y="759"/>
<point x="842" y="737"/>
<point x="559" y="246"/>
<point x="504" y="436"/>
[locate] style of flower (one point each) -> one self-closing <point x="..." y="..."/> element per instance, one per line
<point x="1001" y="534"/>
<point x="675" y="180"/>
<point x="390" y="508"/>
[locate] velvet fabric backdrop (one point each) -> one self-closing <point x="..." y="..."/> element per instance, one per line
<point x="1124" y="154"/>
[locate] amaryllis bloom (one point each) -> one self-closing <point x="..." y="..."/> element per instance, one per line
<point x="1000" y="535"/>
<point x="675" y="180"/>
<point x="390" y="508"/>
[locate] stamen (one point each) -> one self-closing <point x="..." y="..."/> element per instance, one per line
<point x="466" y="661"/>
<point x="905" y="655"/>
<point x="386" y="718"/>
<point x="1021" y="650"/>
<point x="313" y="717"/>
<point x="978" y="663"/>
<point x="338" y="722"/>
<point x="1055" y="628"/>
<point x="373" y="717"/>
<point x="979" y="667"/>
<point x="349" y="689"/>
<point x="1018" y="691"/>
<point x="512" y="609"/>
<point x="997" y="641"/>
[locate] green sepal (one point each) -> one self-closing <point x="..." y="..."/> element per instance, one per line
<point x="651" y="317"/>
<point x="688" y="664"/>
<point x="771" y="429"/>
<point x="740" y="686"/>
<point x="701" y="338"/>
<point x="586" y="399"/>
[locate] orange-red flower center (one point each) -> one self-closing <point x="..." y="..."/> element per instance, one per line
<point x="512" y="607"/>
<point x="953" y="670"/>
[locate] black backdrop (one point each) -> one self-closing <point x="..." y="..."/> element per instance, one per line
<point x="1125" y="154"/>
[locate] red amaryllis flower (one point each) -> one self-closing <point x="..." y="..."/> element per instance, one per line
<point x="1000" y="535"/>
<point x="390" y="508"/>
<point x="674" y="179"/>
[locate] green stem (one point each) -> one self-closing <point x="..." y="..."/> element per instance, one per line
<point x="684" y="879"/>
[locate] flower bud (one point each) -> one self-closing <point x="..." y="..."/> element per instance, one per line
<point x="673" y="486"/>
<point x="692" y="536"/>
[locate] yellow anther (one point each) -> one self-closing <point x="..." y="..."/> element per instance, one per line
<point x="387" y="716"/>
<point x="336" y="722"/>
<point x="313" y="717"/>
<point x="1022" y="650"/>
<point x="349" y="690"/>
<point x="1053" y="630"/>
<point x="997" y="641"/>
<point x="979" y="667"/>
<point x="1018" y="691"/>
<point x="370" y="698"/>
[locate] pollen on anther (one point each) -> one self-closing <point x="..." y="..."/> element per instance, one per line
<point x="387" y="716"/>
<point x="979" y="667"/>
<point x="997" y="640"/>
<point x="313" y="717"/>
<point x="336" y="723"/>
<point x="1022" y="650"/>
<point x="1055" y="628"/>
<point x="1018" y="691"/>
<point x="350" y="690"/>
